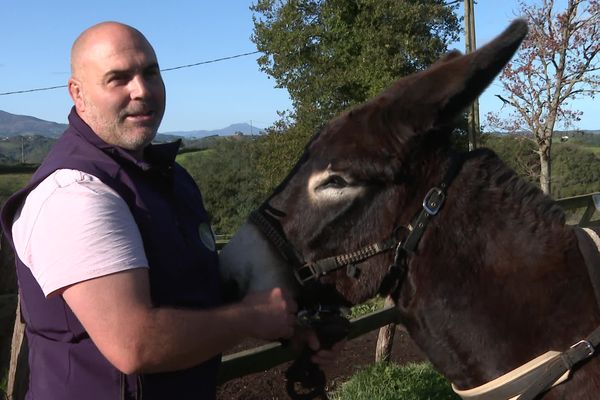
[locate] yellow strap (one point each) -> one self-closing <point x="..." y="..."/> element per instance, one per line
<point x="593" y="236"/>
<point x="510" y="385"/>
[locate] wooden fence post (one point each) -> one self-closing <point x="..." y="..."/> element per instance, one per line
<point x="18" y="371"/>
<point x="385" y="340"/>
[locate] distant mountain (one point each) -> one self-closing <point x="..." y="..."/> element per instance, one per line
<point x="28" y="139"/>
<point x="232" y="129"/>
<point x="23" y="125"/>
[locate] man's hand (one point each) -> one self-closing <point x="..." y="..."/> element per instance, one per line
<point x="322" y="357"/>
<point x="272" y="314"/>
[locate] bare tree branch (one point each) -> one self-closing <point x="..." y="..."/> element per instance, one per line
<point x="557" y="63"/>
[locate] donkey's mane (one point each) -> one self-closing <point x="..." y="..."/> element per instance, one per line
<point x="504" y="180"/>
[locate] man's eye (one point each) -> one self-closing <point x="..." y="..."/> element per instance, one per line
<point x="117" y="80"/>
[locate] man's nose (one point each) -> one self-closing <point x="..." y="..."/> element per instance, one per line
<point x="140" y="87"/>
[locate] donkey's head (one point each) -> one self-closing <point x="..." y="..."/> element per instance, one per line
<point x="362" y="180"/>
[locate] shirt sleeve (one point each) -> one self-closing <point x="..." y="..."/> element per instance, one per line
<point x="72" y="228"/>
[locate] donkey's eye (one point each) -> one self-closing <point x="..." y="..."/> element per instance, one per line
<point x="328" y="187"/>
<point x="333" y="182"/>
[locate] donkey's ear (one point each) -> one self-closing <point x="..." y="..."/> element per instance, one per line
<point x="451" y="55"/>
<point x="436" y="96"/>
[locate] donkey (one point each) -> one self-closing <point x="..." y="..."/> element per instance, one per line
<point x="485" y="274"/>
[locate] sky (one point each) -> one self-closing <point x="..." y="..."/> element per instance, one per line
<point x="36" y="36"/>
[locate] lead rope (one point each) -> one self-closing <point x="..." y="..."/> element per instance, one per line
<point x="304" y="379"/>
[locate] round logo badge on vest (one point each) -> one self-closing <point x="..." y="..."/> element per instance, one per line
<point x="206" y="236"/>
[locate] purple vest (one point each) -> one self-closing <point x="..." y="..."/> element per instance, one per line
<point x="167" y="207"/>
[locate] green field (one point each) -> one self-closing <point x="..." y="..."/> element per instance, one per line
<point x="593" y="149"/>
<point x="190" y="156"/>
<point x="11" y="182"/>
<point x="13" y="178"/>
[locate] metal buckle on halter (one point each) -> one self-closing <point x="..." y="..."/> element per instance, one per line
<point x="433" y="200"/>
<point x="587" y="345"/>
<point x="306" y="272"/>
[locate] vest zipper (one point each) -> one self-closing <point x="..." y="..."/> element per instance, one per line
<point x="138" y="391"/>
<point x="122" y="382"/>
<point x="139" y="388"/>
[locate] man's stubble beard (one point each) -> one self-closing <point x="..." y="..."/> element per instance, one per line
<point x="114" y="131"/>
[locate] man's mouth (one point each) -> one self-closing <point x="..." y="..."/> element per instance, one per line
<point x="140" y="117"/>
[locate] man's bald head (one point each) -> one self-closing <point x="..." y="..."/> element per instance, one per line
<point x="99" y="34"/>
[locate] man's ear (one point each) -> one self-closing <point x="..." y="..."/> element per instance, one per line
<point x="76" y="94"/>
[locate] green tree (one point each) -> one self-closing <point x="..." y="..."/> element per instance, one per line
<point x="333" y="54"/>
<point x="517" y="151"/>
<point x="576" y="171"/>
<point x="278" y="150"/>
<point x="576" y="166"/>
<point x="227" y="177"/>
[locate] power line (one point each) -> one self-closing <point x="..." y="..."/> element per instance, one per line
<point x="210" y="61"/>
<point x="162" y="70"/>
<point x="33" y="90"/>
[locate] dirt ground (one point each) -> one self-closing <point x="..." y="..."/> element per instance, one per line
<point x="359" y="352"/>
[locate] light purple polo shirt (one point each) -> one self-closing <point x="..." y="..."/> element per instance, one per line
<point x="72" y="227"/>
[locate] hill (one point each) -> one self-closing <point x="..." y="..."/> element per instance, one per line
<point x="232" y="129"/>
<point x="12" y="125"/>
<point x="32" y="149"/>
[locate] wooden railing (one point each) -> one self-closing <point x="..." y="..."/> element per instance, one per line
<point x="581" y="210"/>
<point x="272" y="354"/>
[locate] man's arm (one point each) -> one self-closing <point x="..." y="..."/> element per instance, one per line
<point x="135" y="336"/>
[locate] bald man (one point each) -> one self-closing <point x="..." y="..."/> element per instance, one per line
<point x="120" y="292"/>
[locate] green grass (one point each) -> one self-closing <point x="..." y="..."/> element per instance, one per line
<point x="183" y="158"/>
<point x="11" y="182"/>
<point x="367" y="307"/>
<point x="593" y="149"/>
<point x="389" y="381"/>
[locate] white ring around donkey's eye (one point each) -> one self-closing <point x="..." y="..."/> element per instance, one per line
<point x="329" y="186"/>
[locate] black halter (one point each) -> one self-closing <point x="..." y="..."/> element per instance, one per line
<point x="266" y="219"/>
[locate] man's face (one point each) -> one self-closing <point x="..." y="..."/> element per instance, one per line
<point x="122" y="94"/>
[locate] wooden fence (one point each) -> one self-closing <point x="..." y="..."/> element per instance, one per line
<point x="581" y="210"/>
<point x="270" y="355"/>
